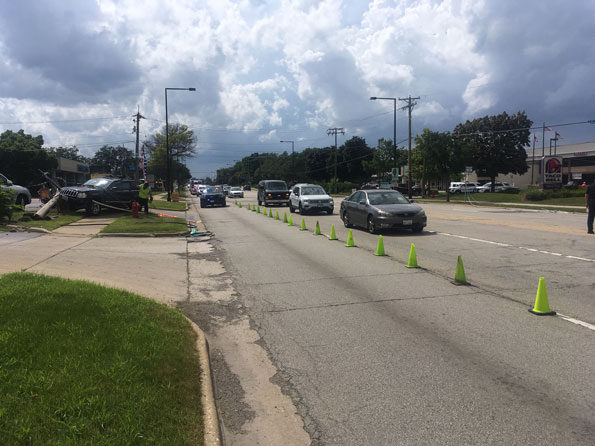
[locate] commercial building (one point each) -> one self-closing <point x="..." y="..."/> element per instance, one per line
<point x="71" y="172"/>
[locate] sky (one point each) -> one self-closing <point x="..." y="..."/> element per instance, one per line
<point x="76" y="71"/>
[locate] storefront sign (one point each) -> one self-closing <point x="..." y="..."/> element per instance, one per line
<point x="552" y="171"/>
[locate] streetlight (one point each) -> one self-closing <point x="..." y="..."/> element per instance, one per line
<point x="168" y="180"/>
<point x="292" y="171"/>
<point x="373" y="98"/>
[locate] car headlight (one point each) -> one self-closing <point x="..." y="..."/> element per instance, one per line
<point x="330" y="200"/>
<point x="269" y="196"/>
<point x="382" y="212"/>
<point x="421" y="213"/>
<point x="81" y="195"/>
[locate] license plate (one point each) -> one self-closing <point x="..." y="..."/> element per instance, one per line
<point x="407" y="222"/>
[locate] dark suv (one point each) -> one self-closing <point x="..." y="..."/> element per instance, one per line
<point x="273" y="192"/>
<point x="115" y="192"/>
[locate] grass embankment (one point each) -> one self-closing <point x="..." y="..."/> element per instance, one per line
<point x="168" y="205"/>
<point x="56" y="220"/>
<point x="85" y="364"/>
<point x="499" y="197"/>
<point x="149" y="224"/>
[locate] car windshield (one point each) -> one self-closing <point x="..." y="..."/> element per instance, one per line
<point x="235" y="188"/>
<point x="211" y="190"/>
<point x="313" y="190"/>
<point x="276" y="185"/>
<point x="95" y="182"/>
<point x="392" y="197"/>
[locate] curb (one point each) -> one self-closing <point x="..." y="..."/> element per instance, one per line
<point x="28" y="229"/>
<point x="212" y="432"/>
<point x="143" y="234"/>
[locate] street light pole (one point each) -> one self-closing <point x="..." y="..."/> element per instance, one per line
<point x="168" y="160"/>
<point x="373" y="98"/>
<point x="292" y="162"/>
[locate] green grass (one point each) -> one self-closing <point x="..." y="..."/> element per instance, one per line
<point x="85" y="364"/>
<point x="54" y="223"/>
<point x="499" y="197"/>
<point x="168" y="205"/>
<point x="151" y="224"/>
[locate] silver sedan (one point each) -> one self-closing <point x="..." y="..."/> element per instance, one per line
<point x="382" y="209"/>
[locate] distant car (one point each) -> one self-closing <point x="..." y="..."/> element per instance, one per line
<point x="572" y="184"/>
<point x="212" y="196"/>
<point x="462" y="188"/>
<point x="235" y="192"/>
<point x="247" y="187"/>
<point x="22" y="195"/>
<point x="309" y="198"/>
<point x="111" y="191"/>
<point x="226" y="189"/>
<point x="273" y="192"/>
<point x="381" y="209"/>
<point x="498" y="187"/>
<point x="370" y="186"/>
<point x="201" y="189"/>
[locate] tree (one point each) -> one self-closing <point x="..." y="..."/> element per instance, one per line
<point x="21" y="157"/>
<point x="351" y="157"/>
<point x="182" y="145"/>
<point x="71" y="153"/>
<point x="496" y="143"/>
<point x="113" y="160"/>
<point x="383" y="159"/>
<point x="437" y="156"/>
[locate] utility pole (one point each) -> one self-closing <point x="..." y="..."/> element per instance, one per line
<point x="334" y="131"/>
<point x="410" y="104"/>
<point x="138" y="117"/>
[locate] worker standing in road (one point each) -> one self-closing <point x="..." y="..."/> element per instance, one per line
<point x="144" y="195"/>
<point x="590" y="203"/>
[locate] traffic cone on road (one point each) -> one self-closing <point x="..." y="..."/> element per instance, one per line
<point x="240" y="204"/>
<point x="542" y="306"/>
<point x="317" y="229"/>
<point x="285" y="217"/>
<point x="412" y="258"/>
<point x="271" y="213"/>
<point x="258" y="209"/>
<point x="380" y="247"/>
<point x="350" y="242"/>
<point x="333" y="236"/>
<point x="303" y="226"/>
<point x="290" y="222"/>
<point x="460" y="278"/>
<point x="277" y="215"/>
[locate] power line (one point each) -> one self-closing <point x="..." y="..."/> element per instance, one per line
<point x="63" y="120"/>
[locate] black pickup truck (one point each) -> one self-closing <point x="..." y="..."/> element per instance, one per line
<point x="115" y="192"/>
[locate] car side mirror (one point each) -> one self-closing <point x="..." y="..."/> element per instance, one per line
<point x="411" y="200"/>
<point x="9" y="183"/>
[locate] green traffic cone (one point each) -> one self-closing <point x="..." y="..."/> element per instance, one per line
<point x="317" y="229"/>
<point x="460" y="277"/>
<point x="542" y="306"/>
<point x="277" y="215"/>
<point x="271" y="213"/>
<point x="412" y="258"/>
<point x="333" y="236"/>
<point x="285" y="217"/>
<point x="303" y="225"/>
<point x="258" y="209"/>
<point x="380" y="247"/>
<point x="350" y="242"/>
<point x="290" y="222"/>
<point x="240" y="204"/>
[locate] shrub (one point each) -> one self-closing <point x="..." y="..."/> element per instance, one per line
<point x="7" y="206"/>
<point x="535" y="195"/>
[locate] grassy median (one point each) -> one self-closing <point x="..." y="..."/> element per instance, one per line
<point x="149" y="224"/>
<point x="168" y="205"/>
<point x="55" y="221"/>
<point x="85" y="364"/>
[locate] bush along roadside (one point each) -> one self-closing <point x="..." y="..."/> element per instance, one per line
<point x="540" y="195"/>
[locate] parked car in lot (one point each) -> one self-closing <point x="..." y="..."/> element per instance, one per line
<point x="111" y="191"/>
<point x="462" y="188"/>
<point x="381" y="209"/>
<point x="21" y="194"/>
<point x="212" y="196"/>
<point x="273" y="192"/>
<point x="498" y="187"/>
<point x="247" y="187"/>
<point x="310" y="198"/>
<point x="235" y="192"/>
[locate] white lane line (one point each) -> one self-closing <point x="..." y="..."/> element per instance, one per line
<point x="577" y="322"/>
<point x="506" y="245"/>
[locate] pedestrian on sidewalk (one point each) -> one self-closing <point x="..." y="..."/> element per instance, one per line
<point x="144" y="196"/>
<point x="590" y="203"/>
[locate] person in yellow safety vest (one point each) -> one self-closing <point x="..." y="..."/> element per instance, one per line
<point x="144" y="195"/>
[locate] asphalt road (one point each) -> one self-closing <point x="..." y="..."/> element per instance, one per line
<point x="372" y="352"/>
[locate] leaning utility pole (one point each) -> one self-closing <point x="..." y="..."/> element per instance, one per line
<point x="138" y="117"/>
<point x="410" y="105"/>
<point x="334" y="131"/>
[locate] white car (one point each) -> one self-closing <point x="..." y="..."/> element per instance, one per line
<point x="499" y="187"/>
<point x="21" y="194"/>
<point x="236" y="192"/>
<point x="310" y="197"/>
<point x="460" y="188"/>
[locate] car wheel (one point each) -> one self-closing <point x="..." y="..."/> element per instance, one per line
<point x="301" y="209"/>
<point x="21" y="200"/>
<point x="417" y="228"/>
<point x="372" y="225"/>
<point x="259" y="202"/>
<point x="329" y="211"/>
<point x="291" y="208"/>
<point x="93" y="208"/>
<point x="202" y="204"/>
<point x="346" y="221"/>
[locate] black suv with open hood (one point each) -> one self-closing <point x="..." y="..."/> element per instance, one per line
<point x="273" y="192"/>
<point x="115" y="192"/>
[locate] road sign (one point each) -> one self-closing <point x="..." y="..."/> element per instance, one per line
<point x="395" y="172"/>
